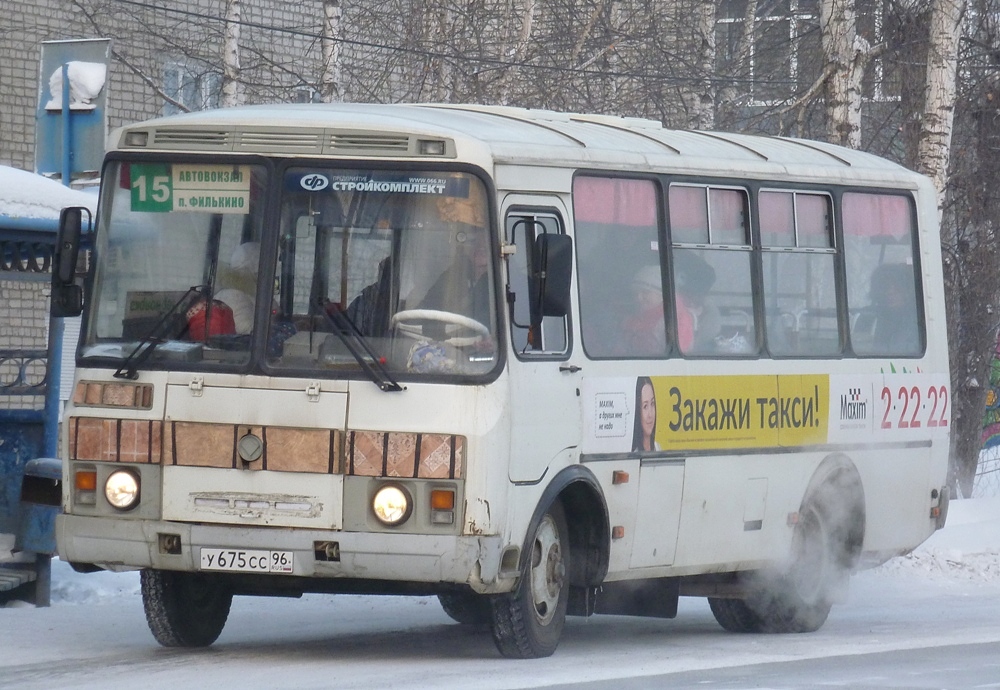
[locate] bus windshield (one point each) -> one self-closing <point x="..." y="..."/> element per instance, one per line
<point x="373" y="271"/>
<point x="399" y="263"/>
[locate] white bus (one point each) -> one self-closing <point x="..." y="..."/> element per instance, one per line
<point x="535" y="364"/>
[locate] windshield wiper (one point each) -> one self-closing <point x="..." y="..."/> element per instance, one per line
<point x="128" y="370"/>
<point x="355" y="342"/>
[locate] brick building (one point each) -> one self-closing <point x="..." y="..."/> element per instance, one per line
<point x="163" y="60"/>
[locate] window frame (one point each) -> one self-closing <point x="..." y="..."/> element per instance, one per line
<point x="660" y="209"/>
<point x="749" y="247"/>
<point x="918" y="274"/>
<point x="534" y="212"/>
<point x="835" y="249"/>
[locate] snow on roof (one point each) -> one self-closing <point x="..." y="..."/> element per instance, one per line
<point x="27" y="195"/>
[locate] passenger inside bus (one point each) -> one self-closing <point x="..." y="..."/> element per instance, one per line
<point x="698" y="320"/>
<point x="643" y="331"/>
<point x="231" y="311"/>
<point x="894" y="309"/>
<point x="241" y="280"/>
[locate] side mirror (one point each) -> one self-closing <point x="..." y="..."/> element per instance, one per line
<point x="553" y="269"/>
<point x="67" y="296"/>
<point x="68" y="247"/>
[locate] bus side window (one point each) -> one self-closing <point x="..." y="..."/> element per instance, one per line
<point x="799" y="262"/>
<point x="550" y="336"/>
<point x="622" y="309"/>
<point x="883" y="290"/>
<point x="710" y="235"/>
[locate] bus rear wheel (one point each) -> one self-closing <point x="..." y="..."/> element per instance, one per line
<point x="184" y="609"/>
<point x="797" y="599"/>
<point x="528" y="622"/>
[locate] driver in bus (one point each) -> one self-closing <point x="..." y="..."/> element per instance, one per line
<point x="894" y="306"/>
<point x="464" y="287"/>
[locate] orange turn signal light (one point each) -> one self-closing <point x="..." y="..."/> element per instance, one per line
<point x="86" y="480"/>
<point x="442" y="499"/>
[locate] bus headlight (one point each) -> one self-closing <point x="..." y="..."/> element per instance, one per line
<point x="122" y="489"/>
<point x="392" y="505"/>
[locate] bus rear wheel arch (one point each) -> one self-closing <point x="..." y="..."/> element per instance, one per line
<point x="826" y="545"/>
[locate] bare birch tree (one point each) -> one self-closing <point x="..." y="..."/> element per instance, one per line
<point x="699" y="96"/>
<point x="845" y="54"/>
<point x="934" y="148"/>
<point x="331" y="89"/>
<point x="972" y="258"/>
<point x="518" y="51"/>
<point x="232" y="88"/>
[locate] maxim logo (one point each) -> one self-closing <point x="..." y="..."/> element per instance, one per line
<point x="852" y="407"/>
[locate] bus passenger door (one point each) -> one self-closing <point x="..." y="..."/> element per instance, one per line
<point x="544" y="379"/>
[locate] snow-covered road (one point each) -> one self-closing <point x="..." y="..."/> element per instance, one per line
<point x="944" y="596"/>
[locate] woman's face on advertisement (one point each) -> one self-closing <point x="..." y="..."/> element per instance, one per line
<point x="647" y="402"/>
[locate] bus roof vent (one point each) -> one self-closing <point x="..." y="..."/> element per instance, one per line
<point x="191" y="138"/>
<point x="288" y="141"/>
<point x="370" y="144"/>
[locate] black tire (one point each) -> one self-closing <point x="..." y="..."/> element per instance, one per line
<point x="528" y="622"/>
<point x="797" y="599"/>
<point x="802" y="599"/>
<point x="185" y="609"/>
<point x="734" y="615"/>
<point x="467" y="608"/>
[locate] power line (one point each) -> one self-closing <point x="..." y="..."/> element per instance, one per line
<point x="494" y="63"/>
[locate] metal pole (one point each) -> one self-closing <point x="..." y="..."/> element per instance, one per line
<point x="53" y="367"/>
<point x="67" y="131"/>
<point x="53" y="375"/>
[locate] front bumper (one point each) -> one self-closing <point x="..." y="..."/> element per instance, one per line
<point x="115" y="543"/>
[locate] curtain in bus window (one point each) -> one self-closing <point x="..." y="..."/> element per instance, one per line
<point x="813" y="219"/>
<point x="728" y="217"/>
<point x="620" y="282"/>
<point x="777" y="219"/>
<point x="688" y="215"/>
<point x="799" y="283"/>
<point x="883" y="288"/>
<point x="614" y="201"/>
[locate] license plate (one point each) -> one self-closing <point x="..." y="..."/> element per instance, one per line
<point x="247" y="561"/>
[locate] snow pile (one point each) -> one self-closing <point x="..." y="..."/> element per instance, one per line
<point x="946" y="564"/>
<point x="967" y="549"/>
<point x="27" y="195"/>
<point x="70" y="587"/>
<point x="86" y="80"/>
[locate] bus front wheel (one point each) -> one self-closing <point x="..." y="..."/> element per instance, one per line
<point x="184" y="609"/>
<point x="466" y="607"/>
<point x="528" y="622"/>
